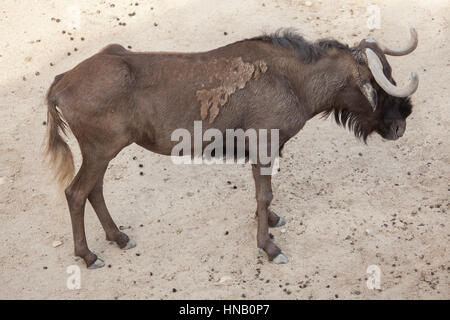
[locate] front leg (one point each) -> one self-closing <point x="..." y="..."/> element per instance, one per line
<point x="263" y="184"/>
<point x="275" y="221"/>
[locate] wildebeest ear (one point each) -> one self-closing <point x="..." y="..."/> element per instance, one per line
<point x="369" y="92"/>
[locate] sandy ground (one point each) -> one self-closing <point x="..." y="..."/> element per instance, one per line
<point x="348" y="205"/>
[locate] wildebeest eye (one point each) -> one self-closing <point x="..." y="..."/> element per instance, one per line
<point x="404" y="107"/>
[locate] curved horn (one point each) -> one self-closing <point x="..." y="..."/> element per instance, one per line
<point x="408" y="49"/>
<point x="377" y="71"/>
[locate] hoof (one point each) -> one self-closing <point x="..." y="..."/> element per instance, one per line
<point x="281" y="222"/>
<point x="130" y="244"/>
<point x="280" y="259"/>
<point x="99" y="263"/>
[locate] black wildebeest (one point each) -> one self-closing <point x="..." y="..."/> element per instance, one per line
<point x="280" y="81"/>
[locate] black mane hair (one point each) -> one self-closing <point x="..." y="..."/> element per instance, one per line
<point x="351" y="121"/>
<point x="306" y="51"/>
<point x="355" y="122"/>
<point x="309" y="52"/>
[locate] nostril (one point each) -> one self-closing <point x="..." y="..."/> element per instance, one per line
<point x="399" y="130"/>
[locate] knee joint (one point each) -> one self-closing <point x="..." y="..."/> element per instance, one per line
<point x="73" y="197"/>
<point x="265" y="197"/>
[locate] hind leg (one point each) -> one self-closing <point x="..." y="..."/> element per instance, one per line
<point x="98" y="203"/>
<point x="76" y="195"/>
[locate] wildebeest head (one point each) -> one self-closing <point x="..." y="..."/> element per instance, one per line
<point x="371" y="101"/>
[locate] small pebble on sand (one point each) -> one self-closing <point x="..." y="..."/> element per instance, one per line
<point x="56" y="243"/>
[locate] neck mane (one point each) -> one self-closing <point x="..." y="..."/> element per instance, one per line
<point x="309" y="53"/>
<point x="306" y="51"/>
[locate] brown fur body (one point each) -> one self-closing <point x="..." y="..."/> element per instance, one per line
<point x="118" y="97"/>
